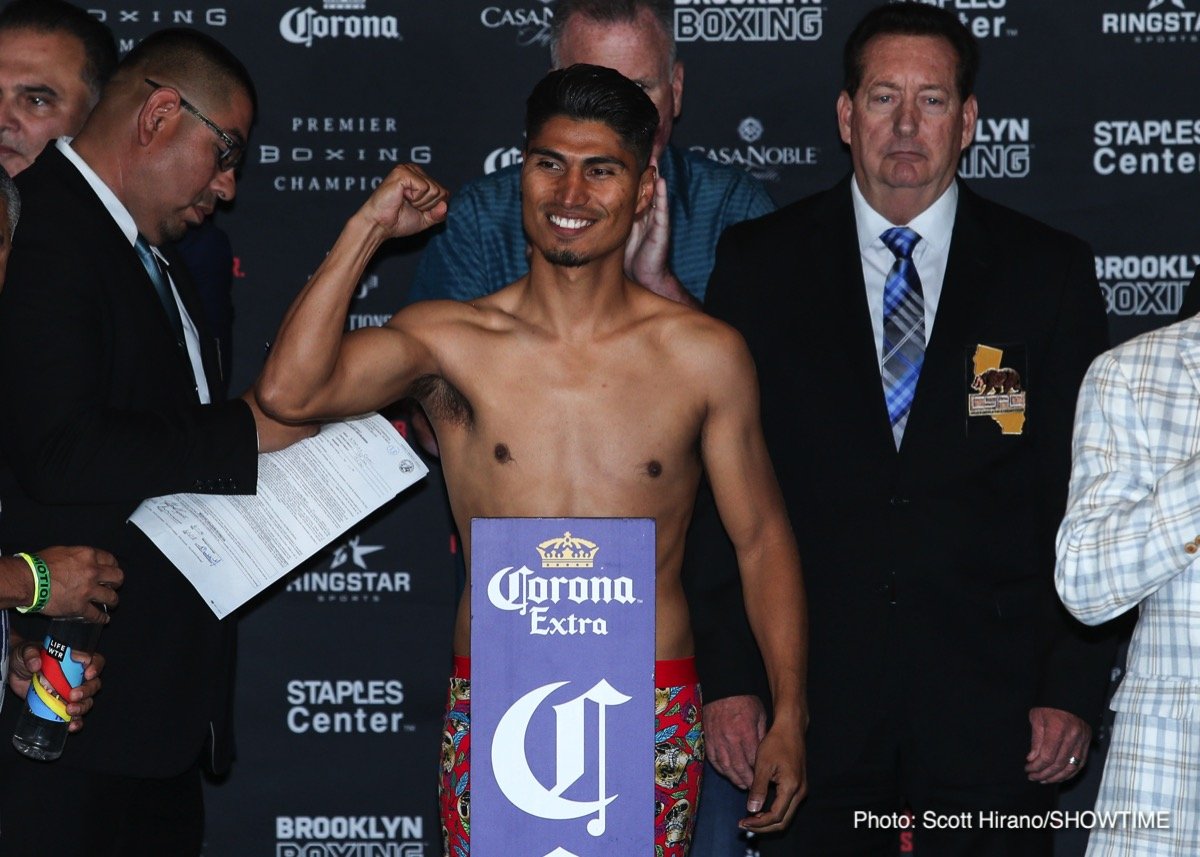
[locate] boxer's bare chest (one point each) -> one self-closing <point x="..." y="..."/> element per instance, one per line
<point x="536" y="429"/>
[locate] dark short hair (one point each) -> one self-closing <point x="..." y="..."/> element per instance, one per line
<point x="194" y="58"/>
<point x="612" y="12"/>
<point x="57" y="16"/>
<point x="592" y="93"/>
<point x="912" y="19"/>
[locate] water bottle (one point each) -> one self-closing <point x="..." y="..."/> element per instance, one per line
<point x="42" y="727"/>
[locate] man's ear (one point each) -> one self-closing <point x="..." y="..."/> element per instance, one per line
<point x="155" y="113"/>
<point x="646" y="188"/>
<point x="845" y="109"/>
<point x="677" y="86"/>
<point x="970" y="114"/>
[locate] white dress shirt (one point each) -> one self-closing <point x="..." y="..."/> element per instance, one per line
<point x="125" y="221"/>
<point x="935" y="225"/>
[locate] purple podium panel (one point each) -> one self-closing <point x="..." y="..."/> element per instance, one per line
<point x="562" y="687"/>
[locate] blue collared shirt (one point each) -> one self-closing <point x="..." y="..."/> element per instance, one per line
<point x="482" y="248"/>
<point x="935" y="225"/>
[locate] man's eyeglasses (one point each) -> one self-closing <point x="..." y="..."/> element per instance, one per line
<point x="229" y="157"/>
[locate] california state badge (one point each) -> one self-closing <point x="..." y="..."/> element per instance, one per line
<point x="997" y="387"/>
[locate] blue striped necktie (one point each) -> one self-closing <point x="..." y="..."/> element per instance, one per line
<point x="163" y="288"/>
<point x="903" y="329"/>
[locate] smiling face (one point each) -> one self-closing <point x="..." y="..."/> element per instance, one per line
<point x="906" y="125"/>
<point x="637" y="49"/>
<point x="580" y="191"/>
<point x="42" y="93"/>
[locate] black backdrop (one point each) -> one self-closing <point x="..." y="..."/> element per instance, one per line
<point x="342" y="669"/>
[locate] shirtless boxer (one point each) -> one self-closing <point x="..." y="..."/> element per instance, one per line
<point x="645" y="393"/>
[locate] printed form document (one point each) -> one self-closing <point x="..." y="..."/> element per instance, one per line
<point x="231" y="547"/>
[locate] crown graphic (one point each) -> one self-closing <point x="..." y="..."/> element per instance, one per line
<point x="567" y="552"/>
<point x="344" y="5"/>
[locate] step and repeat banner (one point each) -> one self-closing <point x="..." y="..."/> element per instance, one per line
<point x="343" y="667"/>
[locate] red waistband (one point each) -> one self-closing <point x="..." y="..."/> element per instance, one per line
<point x="666" y="673"/>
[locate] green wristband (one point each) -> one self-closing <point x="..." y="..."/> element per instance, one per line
<point x="41" y="582"/>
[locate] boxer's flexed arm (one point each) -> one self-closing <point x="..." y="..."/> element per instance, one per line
<point x="314" y="370"/>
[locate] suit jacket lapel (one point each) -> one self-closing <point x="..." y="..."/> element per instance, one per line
<point x="85" y="197"/>
<point x="190" y="296"/>
<point x="850" y="317"/>
<point x="940" y="401"/>
<point x="128" y="267"/>
<point x="178" y="277"/>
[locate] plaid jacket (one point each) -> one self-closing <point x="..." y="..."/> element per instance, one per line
<point x="1131" y="535"/>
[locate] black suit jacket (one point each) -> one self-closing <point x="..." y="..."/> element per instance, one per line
<point x="958" y="527"/>
<point x="103" y="413"/>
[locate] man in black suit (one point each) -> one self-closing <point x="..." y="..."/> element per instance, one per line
<point x="54" y="61"/>
<point x="105" y="361"/>
<point x="76" y="579"/>
<point x="923" y="448"/>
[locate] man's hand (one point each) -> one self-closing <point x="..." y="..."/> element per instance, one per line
<point x="406" y="202"/>
<point x="648" y="248"/>
<point x="733" y="728"/>
<point x="273" y="434"/>
<point x="1058" y="738"/>
<point x="25" y="662"/>
<point x="780" y="761"/>
<point x="81" y="578"/>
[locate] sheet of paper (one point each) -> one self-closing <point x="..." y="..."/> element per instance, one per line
<point x="231" y="547"/>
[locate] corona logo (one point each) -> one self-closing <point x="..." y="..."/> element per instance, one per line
<point x="511" y="766"/>
<point x="567" y="552"/>
<point x="300" y="26"/>
<point x="522" y="591"/>
<point x="516" y="589"/>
